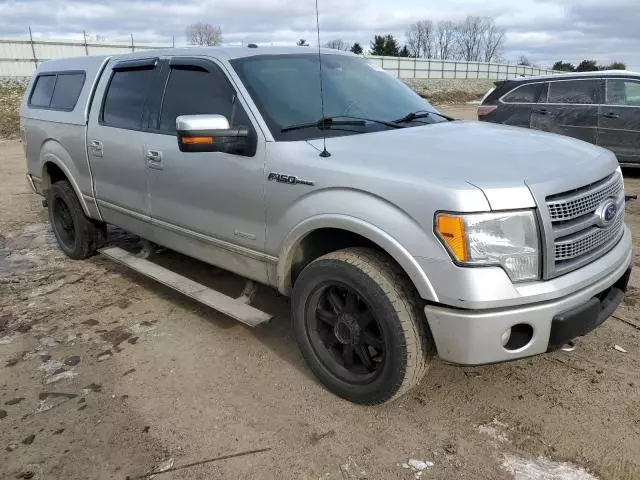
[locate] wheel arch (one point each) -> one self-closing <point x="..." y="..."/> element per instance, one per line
<point x="323" y="234"/>
<point x="55" y="161"/>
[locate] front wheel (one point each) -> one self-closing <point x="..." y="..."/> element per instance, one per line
<point x="359" y="327"/>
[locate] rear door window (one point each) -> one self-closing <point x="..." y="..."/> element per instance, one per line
<point x="125" y="98"/>
<point x="42" y="91"/>
<point x="575" y="91"/>
<point x="623" y="92"/>
<point x="529" y="93"/>
<point x="67" y="90"/>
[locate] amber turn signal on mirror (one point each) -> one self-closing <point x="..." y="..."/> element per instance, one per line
<point x="197" y="140"/>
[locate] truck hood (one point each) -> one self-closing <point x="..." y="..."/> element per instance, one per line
<point x="507" y="163"/>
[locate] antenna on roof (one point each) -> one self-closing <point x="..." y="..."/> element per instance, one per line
<point x="324" y="152"/>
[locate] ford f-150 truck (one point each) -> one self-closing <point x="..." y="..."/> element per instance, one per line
<point x="397" y="232"/>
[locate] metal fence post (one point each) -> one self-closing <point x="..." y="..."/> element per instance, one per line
<point x="86" y="47"/>
<point x="33" y="49"/>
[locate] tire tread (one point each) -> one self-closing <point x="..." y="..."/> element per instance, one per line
<point x="402" y="295"/>
<point x="93" y="234"/>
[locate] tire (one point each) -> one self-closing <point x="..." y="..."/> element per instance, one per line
<point x="78" y="236"/>
<point x="388" y="326"/>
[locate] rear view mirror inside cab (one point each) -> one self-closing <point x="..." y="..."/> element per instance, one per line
<point x="210" y="133"/>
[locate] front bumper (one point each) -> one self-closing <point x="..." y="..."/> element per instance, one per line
<point x="472" y="337"/>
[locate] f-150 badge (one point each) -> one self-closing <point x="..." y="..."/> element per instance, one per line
<point x="289" y="179"/>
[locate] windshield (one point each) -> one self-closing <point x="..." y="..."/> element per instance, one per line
<point x="286" y="90"/>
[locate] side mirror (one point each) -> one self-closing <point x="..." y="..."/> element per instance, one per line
<point x="209" y="133"/>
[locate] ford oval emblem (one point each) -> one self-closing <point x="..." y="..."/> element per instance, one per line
<point x="606" y="212"/>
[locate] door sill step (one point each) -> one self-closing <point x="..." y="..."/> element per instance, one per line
<point x="236" y="308"/>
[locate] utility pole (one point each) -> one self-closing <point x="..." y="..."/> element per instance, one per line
<point x="173" y="41"/>
<point x="133" y="47"/>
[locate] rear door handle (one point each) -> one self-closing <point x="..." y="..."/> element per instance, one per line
<point x="541" y="111"/>
<point x="154" y="159"/>
<point x="610" y="115"/>
<point x="95" y="147"/>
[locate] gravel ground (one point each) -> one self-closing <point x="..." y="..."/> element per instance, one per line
<point x="11" y="92"/>
<point x="450" y="90"/>
<point x="105" y="374"/>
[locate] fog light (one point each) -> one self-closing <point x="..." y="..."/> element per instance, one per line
<point x="518" y="336"/>
<point x="506" y="336"/>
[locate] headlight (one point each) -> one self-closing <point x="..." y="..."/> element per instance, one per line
<point x="507" y="239"/>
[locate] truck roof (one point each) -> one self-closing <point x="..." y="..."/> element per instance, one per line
<point x="90" y="63"/>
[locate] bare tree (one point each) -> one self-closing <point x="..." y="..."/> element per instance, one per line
<point x="493" y="40"/>
<point x="204" y="34"/>
<point x="445" y="40"/>
<point x="470" y="38"/>
<point x="337" y="44"/>
<point x="420" y="39"/>
<point x="414" y="39"/>
<point x="524" y="60"/>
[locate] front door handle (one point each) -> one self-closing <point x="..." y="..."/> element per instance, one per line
<point x="610" y="115"/>
<point x="154" y="159"/>
<point x="541" y="111"/>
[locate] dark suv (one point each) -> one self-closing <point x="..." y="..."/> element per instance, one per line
<point x="602" y="108"/>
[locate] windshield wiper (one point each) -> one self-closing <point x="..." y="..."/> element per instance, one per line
<point x="380" y="122"/>
<point x="323" y="123"/>
<point x="411" y="116"/>
<point x="328" y="122"/>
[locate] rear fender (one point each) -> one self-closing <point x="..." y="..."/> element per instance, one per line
<point x="53" y="152"/>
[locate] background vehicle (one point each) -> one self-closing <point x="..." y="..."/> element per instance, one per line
<point x="392" y="236"/>
<point x="602" y="108"/>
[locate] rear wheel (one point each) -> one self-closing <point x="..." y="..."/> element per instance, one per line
<point x="78" y="236"/>
<point x="359" y="327"/>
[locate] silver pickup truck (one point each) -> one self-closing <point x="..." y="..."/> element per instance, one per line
<point x="397" y="232"/>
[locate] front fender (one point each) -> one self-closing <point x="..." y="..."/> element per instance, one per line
<point x="361" y="227"/>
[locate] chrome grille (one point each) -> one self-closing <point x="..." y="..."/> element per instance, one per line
<point x="587" y="241"/>
<point x="577" y="237"/>
<point x="585" y="200"/>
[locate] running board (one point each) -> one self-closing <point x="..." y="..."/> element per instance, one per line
<point x="237" y="308"/>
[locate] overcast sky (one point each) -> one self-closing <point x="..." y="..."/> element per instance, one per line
<point x="543" y="30"/>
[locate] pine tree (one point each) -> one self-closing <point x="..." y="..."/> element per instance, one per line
<point x="356" y="48"/>
<point x="378" y="45"/>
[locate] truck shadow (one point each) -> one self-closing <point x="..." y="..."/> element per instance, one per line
<point x="277" y="334"/>
<point x="631" y="172"/>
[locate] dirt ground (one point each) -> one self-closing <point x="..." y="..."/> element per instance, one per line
<point x="107" y="375"/>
